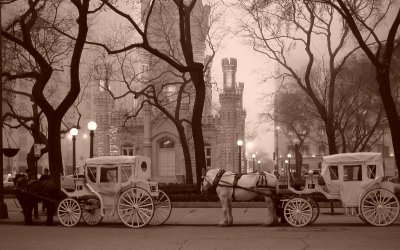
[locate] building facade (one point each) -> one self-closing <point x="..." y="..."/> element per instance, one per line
<point x="152" y="134"/>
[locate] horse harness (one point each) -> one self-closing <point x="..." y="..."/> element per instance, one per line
<point x="261" y="182"/>
<point x="218" y="177"/>
<point x="234" y="184"/>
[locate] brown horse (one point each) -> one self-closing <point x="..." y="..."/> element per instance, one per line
<point x="230" y="186"/>
<point x="30" y="192"/>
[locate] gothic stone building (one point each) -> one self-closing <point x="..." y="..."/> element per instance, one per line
<point x="154" y="135"/>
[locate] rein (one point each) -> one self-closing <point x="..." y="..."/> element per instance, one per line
<point x="227" y="184"/>
<point x="36" y="195"/>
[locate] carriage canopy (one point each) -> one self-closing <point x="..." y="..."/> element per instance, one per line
<point x="350" y="174"/>
<point x="126" y="168"/>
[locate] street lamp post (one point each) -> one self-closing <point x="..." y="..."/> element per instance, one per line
<point x="288" y="169"/>
<point x="286" y="162"/>
<point x="259" y="165"/>
<point x="74" y="133"/>
<point x="240" y="143"/>
<point x="254" y="161"/>
<point x="277" y="147"/>
<point x="92" y="127"/>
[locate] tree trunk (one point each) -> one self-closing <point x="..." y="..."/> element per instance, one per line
<point x="186" y="154"/>
<point x="391" y="112"/>
<point x="198" y="81"/>
<point x="330" y="135"/>
<point x="299" y="161"/>
<point x="54" y="146"/>
<point x="30" y="160"/>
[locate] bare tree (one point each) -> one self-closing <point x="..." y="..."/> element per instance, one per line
<point x="177" y="53"/>
<point x="357" y="15"/>
<point x="359" y="113"/>
<point x="38" y="18"/>
<point x="281" y="29"/>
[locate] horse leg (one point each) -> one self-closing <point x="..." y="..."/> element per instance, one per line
<point x="271" y="212"/>
<point x="25" y="213"/>
<point x="50" y="207"/>
<point x="230" y="217"/>
<point x="28" y="214"/>
<point x="225" y="211"/>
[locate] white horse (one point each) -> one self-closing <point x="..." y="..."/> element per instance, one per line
<point x="241" y="188"/>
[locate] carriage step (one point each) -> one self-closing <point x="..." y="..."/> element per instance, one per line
<point x="353" y="211"/>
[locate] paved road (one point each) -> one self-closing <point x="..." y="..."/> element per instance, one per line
<point x="117" y="236"/>
<point x="195" y="228"/>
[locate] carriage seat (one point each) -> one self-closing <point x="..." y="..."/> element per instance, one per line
<point x="68" y="183"/>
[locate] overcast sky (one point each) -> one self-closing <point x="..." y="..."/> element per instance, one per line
<point x="252" y="68"/>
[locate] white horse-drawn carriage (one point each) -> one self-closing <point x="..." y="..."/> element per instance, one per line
<point x="113" y="185"/>
<point x="356" y="179"/>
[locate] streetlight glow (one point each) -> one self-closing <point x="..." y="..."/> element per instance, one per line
<point x="92" y="126"/>
<point x="74" y="131"/>
<point x="239" y="142"/>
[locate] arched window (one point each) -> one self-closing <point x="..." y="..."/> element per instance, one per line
<point x="127" y="149"/>
<point x="167" y="143"/>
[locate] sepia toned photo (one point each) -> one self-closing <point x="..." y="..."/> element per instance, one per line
<point x="200" y="124"/>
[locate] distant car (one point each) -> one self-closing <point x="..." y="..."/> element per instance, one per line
<point x="8" y="183"/>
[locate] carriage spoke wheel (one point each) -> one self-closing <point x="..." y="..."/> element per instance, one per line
<point x="298" y="212"/>
<point x="379" y="207"/>
<point x="315" y="210"/>
<point x="92" y="217"/>
<point x="162" y="209"/>
<point x="69" y="212"/>
<point x="135" y="207"/>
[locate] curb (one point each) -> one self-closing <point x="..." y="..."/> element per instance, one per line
<point x="241" y="204"/>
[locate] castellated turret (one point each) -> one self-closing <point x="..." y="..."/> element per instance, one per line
<point x="240" y="88"/>
<point x="229" y="66"/>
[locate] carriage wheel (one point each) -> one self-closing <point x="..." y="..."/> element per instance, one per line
<point x="92" y="217"/>
<point x="162" y="209"/>
<point x="135" y="207"/>
<point x="379" y="207"/>
<point x="315" y="210"/>
<point x="298" y="212"/>
<point x="69" y="212"/>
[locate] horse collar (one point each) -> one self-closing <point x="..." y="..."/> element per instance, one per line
<point x="234" y="184"/>
<point x="218" y="178"/>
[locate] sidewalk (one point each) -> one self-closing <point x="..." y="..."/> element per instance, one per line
<point x="200" y="216"/>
